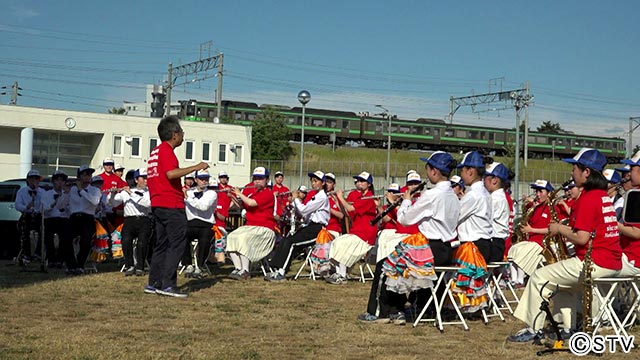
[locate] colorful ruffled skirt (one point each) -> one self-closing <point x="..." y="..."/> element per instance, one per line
<point x="410" y="266"/>
<point x="469" y="288"/>
<point x="116" y="243"/>
<point x="100" y="244"/>
<point x="320" y="253"/>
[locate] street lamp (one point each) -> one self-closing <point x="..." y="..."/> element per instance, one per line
<point x="303" y="97"/>
<point x="386" y="114"/>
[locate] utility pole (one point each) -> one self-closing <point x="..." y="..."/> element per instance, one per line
<point x="14" y="93"/>
<point x="632" y="120"/>
<point x="520" y="101"/>
<point x="526" y="127"/>
<point x="219" y="92"/>
<point x="195" y="67"/>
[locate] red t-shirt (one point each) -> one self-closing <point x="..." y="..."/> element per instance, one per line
<point x="365" y="211"/>
<point x="401" y="229"/>
<point x="164" y="193"/>
<point x="393" y="223"/>
<point x="248" y="189"/>
<point x="224" y="202"/>
<point x="631" y="247"/>
<point x="262" y="214"/>
<point x="594" y="211"/>
<point x="281" y="201"/>
<point x="112" y="180"/>
<point x="539" y="219"/>
<point x="562" y="212"/>
<point x="334" y="222"/>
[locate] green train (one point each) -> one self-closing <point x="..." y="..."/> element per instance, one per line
<point x="324" y="126"/>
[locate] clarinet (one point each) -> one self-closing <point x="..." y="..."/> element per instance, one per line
<point x="396" y="204"/>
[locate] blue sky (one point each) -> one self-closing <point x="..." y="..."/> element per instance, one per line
<point x="580" y="57"/>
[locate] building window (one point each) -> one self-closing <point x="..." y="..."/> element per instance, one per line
<point x="222" y="153"/>
<point x="189" y="151"/>
<point x="117" y="145"/>
<point x="135" y="146"/>
<point x="206" y="151"/>
<point x="153" y="142"/>
<point x="238" y="152"/>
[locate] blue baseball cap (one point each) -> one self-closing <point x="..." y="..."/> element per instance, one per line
<point x="439" y="160"/>
<point x="393" y="188"/>
<point x="498" y="170"/>
<point x="612" y="176"/>
<point x="456" y="180"/>
<point x="590" y="158"/>
<point x="624" y="169"/>
<point x="140" y="172"/>
<point x="364" y="176"/>
<point x="202" y="174"/>
<point x="472" y="159"/>
<point x="260" y="172"/>
<point x="634" y="161"/>
<point x="316" y="174"/>
<point x="542" y="185"/>
<point x="572" y="184"/>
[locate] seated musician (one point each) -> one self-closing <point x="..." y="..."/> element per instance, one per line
<point x="537" y="226"/>
<point x="253" y="241"/>
<point x="314" y="209"/>
<point x="200" y="204"/>
<point x="349" y="248"/>
<point x="496" y="180"/>
<point x="593" y="229"/>
<point x="630" y="234"/>
<point x="457" y="184"/>
<point x="337" y="220"/>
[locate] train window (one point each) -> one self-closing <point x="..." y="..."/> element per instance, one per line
<point x="332" y="123"/>
<point x="415" y="130"/>
<point x="405" y="129"/>
<point x="426" y="131"/>
<point x="436" y="132"/>
<point x="471" y="134"/>
<point x="459" y="133"/>
<point x="378" y="127"/>
<point x="237" y="116"/>
<point x="251" y="117"/>
<point x="448" y="133"/>
<point x="498" y="136"/>
<point x="345" y="124"/>
<point x="291" y="120"/>
<point x="491" y="136"/>
<point x="212" y="114"/>
<point x="317" y="122"/>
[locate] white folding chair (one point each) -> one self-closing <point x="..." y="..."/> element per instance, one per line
<point x="364" y="263"/>
<point x="446" y="277"/>
<point x="606" y="311"/>
<point x="307" y="261"/>
<point x="494" y="283"/>
<point x="492" y="289"/>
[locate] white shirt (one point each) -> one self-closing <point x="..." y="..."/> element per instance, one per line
<point x="27" y="196"/>
<point x="476" y="215"/>
<point x="316" y="210"/>
<point x="56" y="204"/>
<point x="84" y="201"/>
<point x="202" y="208"/>
<point x="138" y="203"/>
<point x="435" y="212"/>
<point x="618" y="206"/>
<point x="500" y="208"/>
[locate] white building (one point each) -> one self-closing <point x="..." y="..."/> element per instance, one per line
<point x="46" y="139"/>
<point x="144" y="108"/>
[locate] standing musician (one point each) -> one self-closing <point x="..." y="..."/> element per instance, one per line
<point x="349" y="248"/>
<point x="496" y="180"/>
<point x="28" y="202"/>
<point x="56" y="218"/>
<point x="475" y="221"/>
<point x="630" y="234"/>
<point x="281" y="192"/>
<point x="200" y="204"/>
<point x="538" y="224"/>
<point x="315" y="213"/>
<point x="253" y="241"/>
<point x="83" y="202"/>
<point x="111" y="180"/>
<point x="592" y="225"/>
<point x="137" y="222"/>
<point x="457" y="184"/>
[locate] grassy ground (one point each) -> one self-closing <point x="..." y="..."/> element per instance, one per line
<point x="107" y="316"/>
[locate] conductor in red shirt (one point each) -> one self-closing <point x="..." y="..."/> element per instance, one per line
<point x="167" y="206"/>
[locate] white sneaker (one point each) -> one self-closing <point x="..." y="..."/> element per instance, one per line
<point x="189" y="270"/>
<point x="196" y="272"/>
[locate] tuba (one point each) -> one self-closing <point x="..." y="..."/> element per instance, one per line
<point x="555" y="249"/>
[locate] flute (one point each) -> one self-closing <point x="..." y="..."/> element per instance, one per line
<point x="377" y="196"/>
<point x="396" y="204"/>
<point x="333" y="192"/>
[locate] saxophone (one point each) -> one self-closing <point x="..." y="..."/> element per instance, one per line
<point x="587" y="283"/>
<point x="526" y="215"/>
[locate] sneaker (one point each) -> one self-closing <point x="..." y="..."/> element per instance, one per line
<point x="130" y="271"/>
<point x="398" y="318"/>
<point x="172" y="292"/>
<point x="148" y="289"/>
<point x="235" y="274"/>
<point x="564" y="333"/>
<point x="244" y="275"/>
<point x="372" y="319"/>
<point x="139" y="272"/>
<point x="336" y="279"/>
<point x="524" y="335"/>
<point x="196" y="272"/>
<point x="275" y="276"/>
<point x="189" y="270"/>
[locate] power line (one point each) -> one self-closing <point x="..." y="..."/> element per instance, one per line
<point x="77" y="82"/>
<point x="76" y="96"/>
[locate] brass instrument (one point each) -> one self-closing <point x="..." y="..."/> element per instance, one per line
<point x="555" y="248"/>
<point x="587" y="283"/>
<point x="526" y="216"/>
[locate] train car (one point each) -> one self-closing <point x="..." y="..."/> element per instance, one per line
<point x="322" y="125"/>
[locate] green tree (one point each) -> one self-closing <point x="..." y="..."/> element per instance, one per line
<point x="119" y="111"/>
<point x="270" y="137"/>
<point x="550" y="128"/>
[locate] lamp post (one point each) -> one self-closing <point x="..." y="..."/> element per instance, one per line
<point x="386" y="114"/>
<point x="303" y="97"/>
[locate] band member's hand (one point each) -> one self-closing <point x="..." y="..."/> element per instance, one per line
<point x="377" y="202"/>
<point x="554" y="228"/>
<point x="406" y="195"/>
<point x="339" y="193"/>
<point x="237" y="191"/>
<point x="526" y="228"/>
<point x="276" y="217"/>
<point x="202" y="166"/>
<point x="127" y="189"/>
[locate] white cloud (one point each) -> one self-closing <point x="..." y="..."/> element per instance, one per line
<point x="20" y="11"/>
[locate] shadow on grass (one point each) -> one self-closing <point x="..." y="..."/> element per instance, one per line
<point x="13" y="275"/>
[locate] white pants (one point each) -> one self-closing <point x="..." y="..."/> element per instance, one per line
<point x="566" y="273"/>
<point x="628" y="267"/>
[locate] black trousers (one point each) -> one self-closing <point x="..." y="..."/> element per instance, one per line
<point x="497" y="250"/>
<point x="171" y="229"/>
<point x="54" y="226"/>
<point x="387" y="302"/>
<point x="442" y="256"/>
<point x="82" y="225"/>
<point x="201" y="231"/>
<point x="135" y="227"/>
<point x="26" y="224"/>
<point x="305" y="234"/>
<point x="484" y="245"/>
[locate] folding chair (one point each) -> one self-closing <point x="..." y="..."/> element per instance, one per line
<point x="446" y="277"/>
<point x="606" y="311"/>
<point x="494" y="282"/>
<point x="364" y="262"/>
<point x="307" y="261"/>
<point x="491" y="287"/>
<point x="632" y="300"/>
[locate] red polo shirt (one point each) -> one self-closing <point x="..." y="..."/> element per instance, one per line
<point x="164" y="193"/>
